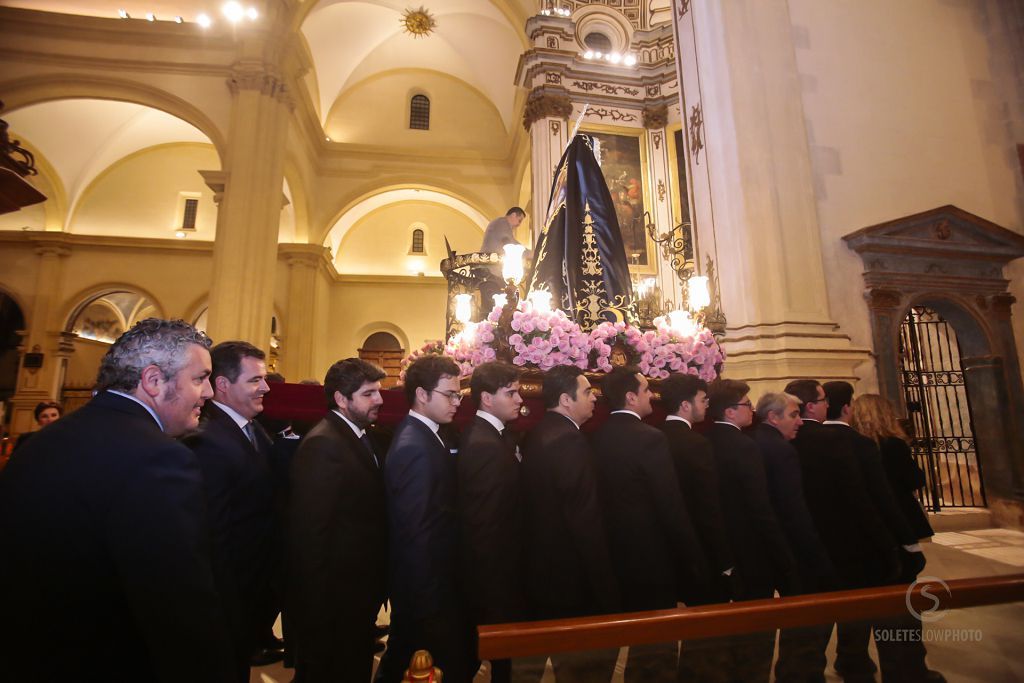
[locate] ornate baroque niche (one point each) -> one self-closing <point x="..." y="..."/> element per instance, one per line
<point x="952" y="261"/>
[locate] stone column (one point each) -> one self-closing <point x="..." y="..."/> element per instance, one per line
<point x="547" y="118"/>
<point x="42" y="336"/>
<point x="298" y="348"/>
<point x="754" y="193"/>
<point x="245" y="252"/>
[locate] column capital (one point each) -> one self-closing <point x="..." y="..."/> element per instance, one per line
<point x="544" y="103"/>
<point x="881" y="298"/>
<point x="216" y="181"/>
<point x="655" y="117"/>
<point x="259" y="76"/>
<point x="307" y="255"/>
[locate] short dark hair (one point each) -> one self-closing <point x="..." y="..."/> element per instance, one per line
<point x="516" y="211"/>
<point x="839" y="394"/>
<point x="153" y="341"/>
<point x="679" y="387"/>
<point x="723" y="394"/>
<point x="226" y="358"/>
<point x="491" y="377"/>
<point x="804" y="389"/>
<point x="425" y="372"/>
<point x="275" y="378"/>
<point x="347" y="376"/>
<point x="619" y="382"/>
<point x="559" y="380"/>
<point x="40" y="407"/>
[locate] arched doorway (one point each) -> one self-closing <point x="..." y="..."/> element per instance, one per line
<point x="384" y="349"/>
<point x="12" y="321"/>
<point x="938" y="409"/>
<point x="949" y="263"/>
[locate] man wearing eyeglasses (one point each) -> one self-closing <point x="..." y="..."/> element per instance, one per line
<point x="420" y="485"/>
<point x="764" y="560"/>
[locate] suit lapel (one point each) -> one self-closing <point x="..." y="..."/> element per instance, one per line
<point x="215" y="414"/>
<point x="349" y="436"/>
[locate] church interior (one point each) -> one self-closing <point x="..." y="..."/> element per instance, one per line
<point x="848" y="175"/>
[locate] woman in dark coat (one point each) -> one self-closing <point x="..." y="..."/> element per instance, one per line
<point x="874" y="417"/>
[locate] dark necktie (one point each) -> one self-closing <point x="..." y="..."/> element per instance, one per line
<point x="365" y="438"/>
<point x="250" y="431"/>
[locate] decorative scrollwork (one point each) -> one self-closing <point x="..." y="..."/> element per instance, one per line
<point x="696" y="132"/>
<point x="608" y="89"/>
<point x="613" y="114"/>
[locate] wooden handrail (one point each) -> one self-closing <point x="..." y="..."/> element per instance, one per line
<point x="524" y="639"/>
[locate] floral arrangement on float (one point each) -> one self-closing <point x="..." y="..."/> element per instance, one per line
<point x="539" y="337"/>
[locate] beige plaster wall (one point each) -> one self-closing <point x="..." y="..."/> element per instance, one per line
<point x="411" y="308"/>
<point x="376" y="112"/>
<point x="379" y="243"/>
<point x="139" y="196"/>
<point x="904" y="113"/>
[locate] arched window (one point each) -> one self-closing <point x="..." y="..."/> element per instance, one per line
<point x="417" y="242"/>
<point x="419" y="112"/>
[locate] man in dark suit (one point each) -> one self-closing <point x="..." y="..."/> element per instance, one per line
<point x="568" y="568"/>
<point x="801" y="651"/>
<point x="763" y="557"/>
<point x="420" y="483"/>
<point x="234" y="455"/>
<point x="685" y="399"/>
<point x="106" y="569"/>
<point x="490" y="506"/>
<point x="905" y="659"/>
<point x="857" y="540"/>
<point x="654" y="549"/>
<point x="337" y="532"/>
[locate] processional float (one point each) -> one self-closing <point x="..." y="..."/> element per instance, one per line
<point x="579" y="307"/>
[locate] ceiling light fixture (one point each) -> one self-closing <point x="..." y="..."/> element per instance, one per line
<point x="150" y="16"/>
<point x="179" y="20"/>
<point x="180" y="234"/>
<point x="419" y="23"/>
<point x="252" y="14"/>
<point x="123" y="13"/>
<point x="204" y="21"/>
<point x="233" y="11"/>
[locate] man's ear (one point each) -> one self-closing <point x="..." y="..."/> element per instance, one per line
<point x="220" y="383"/>
<point x="338" y="398"/>
<point x="486" y="401"/>
<point x="150" y="380"/>
<point x="422" y="395"/>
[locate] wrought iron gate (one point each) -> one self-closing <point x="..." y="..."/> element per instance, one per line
<point x="940" y="412"/>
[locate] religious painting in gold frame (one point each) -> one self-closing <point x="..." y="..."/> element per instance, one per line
<point x="624" y="166"/>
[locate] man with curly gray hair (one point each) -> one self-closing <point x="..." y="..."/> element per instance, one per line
<point x="103" y="528"/>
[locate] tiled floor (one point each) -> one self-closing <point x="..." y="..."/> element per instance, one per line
<point x="975" y="645"/>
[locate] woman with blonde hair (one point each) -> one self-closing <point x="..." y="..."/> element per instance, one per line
<point x="874" y="417"/>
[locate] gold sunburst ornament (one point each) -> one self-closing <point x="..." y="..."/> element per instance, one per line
<point x="418" y="23"/>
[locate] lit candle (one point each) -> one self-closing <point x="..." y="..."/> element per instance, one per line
<point x="541" y="300"/>
<point x="463" y="307"/>
<point x="512" y="262"/>
<point x="699" y="297"/>
<point x="681" y="323"/>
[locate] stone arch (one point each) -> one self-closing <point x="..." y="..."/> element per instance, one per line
<point x="365" y="202"/>
<point x="369" y="329"/>
<point x="23" y="92"/>
<point x="84" y="298"/>
<point x="952" y="261"/>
